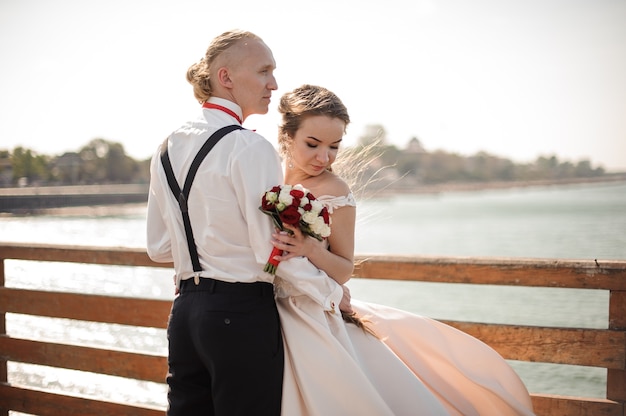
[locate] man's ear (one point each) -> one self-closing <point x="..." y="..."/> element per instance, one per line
<point x="223" y="77"/>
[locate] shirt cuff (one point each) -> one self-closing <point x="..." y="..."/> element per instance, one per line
<point x="331" y="303"/>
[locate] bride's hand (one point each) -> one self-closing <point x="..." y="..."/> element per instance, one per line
<point x="294" y="244"/>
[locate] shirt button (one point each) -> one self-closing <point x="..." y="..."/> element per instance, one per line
<point x="227" y="321"/>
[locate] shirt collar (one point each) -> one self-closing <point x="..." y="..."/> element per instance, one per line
<point x="228" y="104"/>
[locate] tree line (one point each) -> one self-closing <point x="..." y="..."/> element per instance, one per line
<point x="98" y="162"/>
<point x="105" y="162"/>
<point x="414" y="166"/>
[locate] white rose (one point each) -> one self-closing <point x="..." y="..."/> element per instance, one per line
<point x="310" y="218"/>
<point x="285" y="197"/>
<point x="271" y="197"/>
<point x="319" y="227"/>
<point x="316" y="207"/>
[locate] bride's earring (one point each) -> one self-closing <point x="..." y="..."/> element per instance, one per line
<point x="289" y="160"/>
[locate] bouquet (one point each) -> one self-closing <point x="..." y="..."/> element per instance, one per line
<point x="296" y="206"/>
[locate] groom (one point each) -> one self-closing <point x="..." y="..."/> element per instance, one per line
<point x="225" y="345"/>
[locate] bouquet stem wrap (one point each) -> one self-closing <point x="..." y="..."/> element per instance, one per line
<point x="272" y="263"/>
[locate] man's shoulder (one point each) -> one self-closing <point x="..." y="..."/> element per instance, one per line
<point x="251" y="134"/>
<point x="252" y="139"/>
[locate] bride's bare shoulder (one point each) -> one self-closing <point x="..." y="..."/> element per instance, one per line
<point x="327" y="184"/>
<point x="333" y="185"/>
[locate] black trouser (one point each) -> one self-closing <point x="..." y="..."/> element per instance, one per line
<point x="225" y="350"/>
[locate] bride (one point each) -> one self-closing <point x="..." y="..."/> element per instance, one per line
<point x="377" y="360"/>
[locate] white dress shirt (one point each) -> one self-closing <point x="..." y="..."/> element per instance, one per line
<point x="232" y="235"/>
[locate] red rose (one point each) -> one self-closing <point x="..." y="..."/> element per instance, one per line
<point x="266" y="205"/>
<point x="290" y="215"/>
<point x="296" y="193"/>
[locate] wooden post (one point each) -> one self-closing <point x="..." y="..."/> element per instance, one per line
<point x="4" y="376"/>
<point x="616" y="378"/>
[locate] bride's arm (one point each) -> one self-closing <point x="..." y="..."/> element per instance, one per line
<point x="338" y="260"/>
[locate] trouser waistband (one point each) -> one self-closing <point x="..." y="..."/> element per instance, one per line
<point x="208" y="284"/>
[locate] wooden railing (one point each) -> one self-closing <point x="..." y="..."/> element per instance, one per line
<point x="604" y="348"/>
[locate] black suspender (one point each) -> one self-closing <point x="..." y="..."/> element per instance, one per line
<point x="183" y="195"/>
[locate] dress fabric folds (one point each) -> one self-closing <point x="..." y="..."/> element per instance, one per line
<point x="413" y="366"/>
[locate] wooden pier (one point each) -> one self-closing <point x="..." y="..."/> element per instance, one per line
<point x="603" y="348"/>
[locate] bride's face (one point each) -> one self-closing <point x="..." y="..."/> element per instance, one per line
<point x="316" y="143"/>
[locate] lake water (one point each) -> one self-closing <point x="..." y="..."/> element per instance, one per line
<point x="566" y="222"/>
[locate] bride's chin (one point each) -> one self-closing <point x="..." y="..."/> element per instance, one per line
<point x="315" y="171"/>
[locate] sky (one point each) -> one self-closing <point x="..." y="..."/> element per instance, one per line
<point x="514" y="78"/>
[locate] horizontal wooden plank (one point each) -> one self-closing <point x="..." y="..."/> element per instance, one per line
<point x="588" y="347"/>
<point x="585" y="274"/>
<point x="112" y="362"/>
<point x="551" y="405"/>
<point x="122" y="256"/>
<point x="42" y="403"/>
<point x="95" y="308"/>
<point x="578" y="274"/>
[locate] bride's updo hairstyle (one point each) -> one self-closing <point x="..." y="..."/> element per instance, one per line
<point x="305" y="101"/>
<point x="199" y="74"/>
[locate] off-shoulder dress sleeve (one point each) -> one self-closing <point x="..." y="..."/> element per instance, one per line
<point x="333" y="202"/>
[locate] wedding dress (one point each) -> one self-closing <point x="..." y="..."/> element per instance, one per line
<point x="413" y="366"/>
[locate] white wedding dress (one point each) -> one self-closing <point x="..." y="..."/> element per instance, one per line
<point x="415" y="365"/>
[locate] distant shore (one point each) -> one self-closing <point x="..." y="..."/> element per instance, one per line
<point x="103" y="200"/>
<point x="398" y="188"/>
<point x="34" y="200"/>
